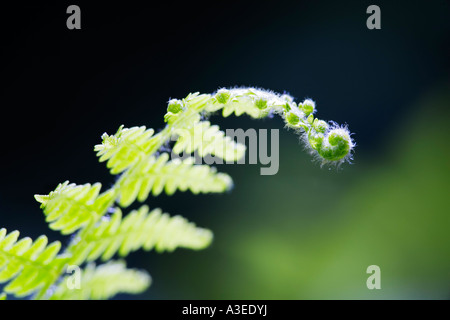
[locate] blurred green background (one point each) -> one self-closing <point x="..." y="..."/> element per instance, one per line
<point x="304" y="233"/>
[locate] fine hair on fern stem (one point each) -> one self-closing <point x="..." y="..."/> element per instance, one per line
<point x="330" y="143"/>
<point x="95" y="218"/>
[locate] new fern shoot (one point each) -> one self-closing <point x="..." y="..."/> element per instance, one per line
<point x="101" y="231"/>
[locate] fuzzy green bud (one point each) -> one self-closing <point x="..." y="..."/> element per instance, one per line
<point x="175" y="106"/>
<point x="338" y="147"/>
<point x="223" y="96"/>
<point x="292" y="118"/>
<point x="320" y="125"/>
<point x="261" y="103"/>
<point x="307" y="107"/>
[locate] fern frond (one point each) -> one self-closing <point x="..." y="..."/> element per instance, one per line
<point x="27" y="265"/>
<point x="158" y="174"/>
<point x="183" y="114"/>
<point x="33" y="267"/>
<point x="331" y="143"/>
<point x="240" y="107"/>
<point x="250" y="101"/>
<point x="208" y="140"/>
<point x="103" y="282"/>
<point x="139" y="229"/>
<point x="70" y="207"/>
<point x="125" y="148"/>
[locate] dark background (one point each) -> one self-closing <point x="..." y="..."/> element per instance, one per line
<point x="63" y="88"/>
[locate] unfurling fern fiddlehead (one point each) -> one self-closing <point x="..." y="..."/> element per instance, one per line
<point x="38" y="269"/>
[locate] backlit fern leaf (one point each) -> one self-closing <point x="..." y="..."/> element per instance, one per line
<point x="70" y="206"/>
<point x="103" y="282"/>
<point x="139" y="229"/>
<point x="241" y="107"/>
<point x="125" y="148"/>
<point x="28" y="266"/>
<point x="158" y="174"/>
<point x="250" y="101"/>
<point x="208" y="139"/>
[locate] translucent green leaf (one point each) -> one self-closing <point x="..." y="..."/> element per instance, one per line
<point x="70" y="207"/>
<point x="125" y="148"/>
<point x="103" y="282"/>
<point x="159" y="173"/>
<point x="139" y="229"/>
<point x="27" y="265"/>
